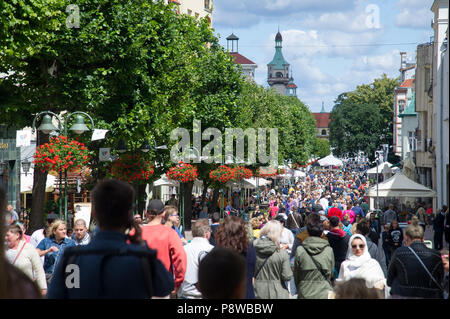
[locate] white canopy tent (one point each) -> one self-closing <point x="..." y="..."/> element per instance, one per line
<point x="401" y="186"/>
<point x="373" y="170"/>
<point x="330" y="160"/>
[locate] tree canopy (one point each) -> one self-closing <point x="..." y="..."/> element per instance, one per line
<point x="361" y="120"/>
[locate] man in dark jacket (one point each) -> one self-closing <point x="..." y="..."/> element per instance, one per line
<point x="338" y="240"/>
<point x="438" y="227"/>
<point x="109" y="267"/>
<point x="407" y="275"/>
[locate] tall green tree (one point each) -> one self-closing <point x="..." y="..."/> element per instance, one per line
<point x="125" y="65"/>
<point x="347" y="132"/>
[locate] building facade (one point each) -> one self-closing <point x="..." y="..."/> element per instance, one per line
<point x="322" y="123"/>
<point x="424" y="108"/>
<point x="278" y="71"/>
<point x="440" y="89"/>
<point x="248" y="67"/>
<point x="195" y="8"/>
<point x="402" y="98"/>
<point x="409" y="126"/>
<point x="10" y="165"/>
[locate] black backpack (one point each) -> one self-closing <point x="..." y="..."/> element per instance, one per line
<point x="148" y="259"/>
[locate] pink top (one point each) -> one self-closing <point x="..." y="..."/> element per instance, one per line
<point x="273" y="211"/>
<point x="351" y="215"/>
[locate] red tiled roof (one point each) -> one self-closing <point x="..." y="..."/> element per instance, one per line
<point x="322" y="119"/>
<point x="407" y="83"/>
<point x="291" y="85"/>
<point x="240" y="59"/>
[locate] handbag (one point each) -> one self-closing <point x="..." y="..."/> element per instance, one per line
<point x="17" y="256"/>
<point x="426" y="269"/>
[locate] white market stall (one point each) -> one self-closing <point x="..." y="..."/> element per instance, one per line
<point x="400" y="186"/>
<point x="381" y="166"/>
<point x="330" y="160"/>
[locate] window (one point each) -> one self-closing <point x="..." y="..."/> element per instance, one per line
<point x="324" y="132"/>
<point x="401" y="106"/>
<point x="279" y="75"/>
<point x="189" y="12"/>
<point x="207" y="5"/>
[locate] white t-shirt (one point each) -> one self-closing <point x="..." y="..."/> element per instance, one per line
<point x="36" y="238"/>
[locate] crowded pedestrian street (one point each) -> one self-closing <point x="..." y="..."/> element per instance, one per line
<point x="223" y="158"/>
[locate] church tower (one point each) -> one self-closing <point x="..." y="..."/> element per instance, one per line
<point x="278" y="70"/>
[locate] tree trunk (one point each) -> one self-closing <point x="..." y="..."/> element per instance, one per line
<point x="188" y="204"/>
<point x="39" y="184"/>
<point x="142" y="198"/>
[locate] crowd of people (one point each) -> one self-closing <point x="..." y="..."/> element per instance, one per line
<point x="315" y="239"/>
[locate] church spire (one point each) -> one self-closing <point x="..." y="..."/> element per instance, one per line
<point x="323" y="109"/>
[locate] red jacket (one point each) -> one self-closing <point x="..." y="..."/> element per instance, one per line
<point x="335" y="212"/>
<point x="169" y="249"/>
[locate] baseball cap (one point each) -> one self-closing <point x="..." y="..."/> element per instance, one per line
<point x="155" y="207"/>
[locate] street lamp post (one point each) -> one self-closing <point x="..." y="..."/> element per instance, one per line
<point x="47" y="127"/>
<point x="377" y="156"/>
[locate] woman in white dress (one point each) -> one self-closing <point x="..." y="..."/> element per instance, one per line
<point x="359" y="264"/>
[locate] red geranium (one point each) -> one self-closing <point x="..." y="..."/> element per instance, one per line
<point x="61" y="154"/>
<point x="222" y="174"/>
<point x="132" y="168"/>
<point x="241" y="172"/>
<point x="183" y="173"/>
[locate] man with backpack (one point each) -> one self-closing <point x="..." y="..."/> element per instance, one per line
<point x="113" y="265"/>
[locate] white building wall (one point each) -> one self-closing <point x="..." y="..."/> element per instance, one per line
<point x="440" y="26"/>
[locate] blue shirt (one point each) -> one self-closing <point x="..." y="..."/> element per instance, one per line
<point x="120" y="276"/>
<point x="358" y="211"/>
<point x="52" y="258"/>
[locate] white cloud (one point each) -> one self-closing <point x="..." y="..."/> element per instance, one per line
<point x="414" y="14"/>
<point x="384" y="62"/>
<point x="239" y="13"/>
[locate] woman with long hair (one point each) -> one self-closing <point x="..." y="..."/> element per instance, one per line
<point x="233" y="233"/>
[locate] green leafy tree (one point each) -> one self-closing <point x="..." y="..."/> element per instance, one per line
<point x="376" y="101"/>
<point x="321" y="148"/>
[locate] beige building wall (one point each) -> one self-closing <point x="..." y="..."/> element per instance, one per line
<point x="196" y="8"/>
<point x="424" y="108"/>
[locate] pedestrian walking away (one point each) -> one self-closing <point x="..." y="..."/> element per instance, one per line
<point x="116" y="263"/>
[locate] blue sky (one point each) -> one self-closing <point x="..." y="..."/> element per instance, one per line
<point x="331" y="45"/>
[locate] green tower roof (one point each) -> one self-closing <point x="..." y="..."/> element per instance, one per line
<point x="278" y="62"/>
<point x="410" y="109"/>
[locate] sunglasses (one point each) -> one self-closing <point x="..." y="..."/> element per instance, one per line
<point x="360" y="246"/>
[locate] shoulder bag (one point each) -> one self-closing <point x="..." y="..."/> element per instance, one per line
<point x="426" y="269"/>
<point x="319" y="268"/>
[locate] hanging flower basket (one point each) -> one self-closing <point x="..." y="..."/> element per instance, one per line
<point x="183" y="173"/>
<point x="132" y="168"/>
<point x="222" y="174"/>
<point x="266" y="172"/>
<point x="61" y="154"/>
<point x="281" y="171"/>
<point x="241" y="172"/>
